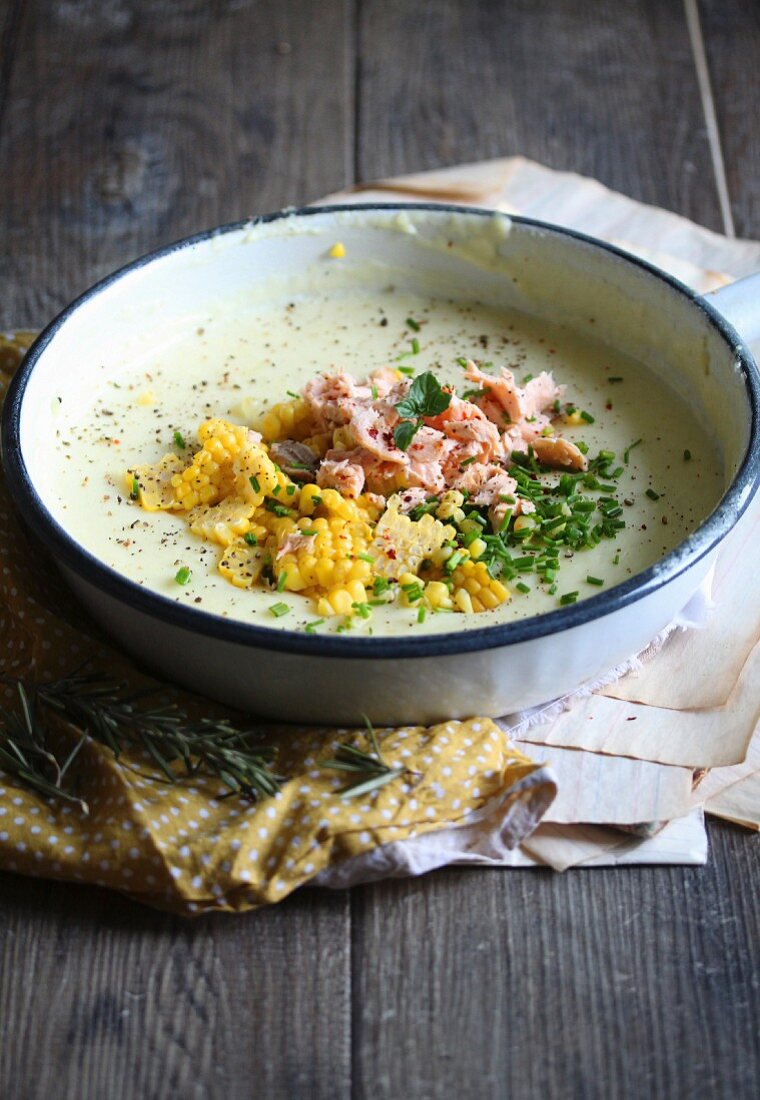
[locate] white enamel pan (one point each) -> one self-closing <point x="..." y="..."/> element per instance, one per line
<point x="473" y="254"/>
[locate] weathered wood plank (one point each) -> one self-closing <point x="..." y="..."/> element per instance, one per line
<point x="102" y="998"/>
<point x="128" y="125"/>
<point x="597" y="984"/>
<point x="731" y="30"/>
<point x="608" y="90"/>
<point x="629" y="983"/>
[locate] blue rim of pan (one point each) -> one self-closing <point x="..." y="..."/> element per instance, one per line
<point x="72" y="555"/>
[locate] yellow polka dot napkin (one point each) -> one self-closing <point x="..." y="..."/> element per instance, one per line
<point x="191" y="847"/>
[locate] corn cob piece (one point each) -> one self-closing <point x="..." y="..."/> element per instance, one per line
<point x="401" y="544"/>
<point x="475" y="589"/>
<point x="286" y="420"/>
<point x="224" y="522"/>
<point x="242" y="564"/>
<point x="153" y="484"/>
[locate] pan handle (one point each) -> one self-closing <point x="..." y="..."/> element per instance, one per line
<point x="739" y="303"/>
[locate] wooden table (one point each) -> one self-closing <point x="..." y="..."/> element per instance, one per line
<point x="126" y="124"/>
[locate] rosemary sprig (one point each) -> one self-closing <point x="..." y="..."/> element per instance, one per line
<point x="348" y="758"/>
<point x="108" y="712"/>
<point x="25" y="752"/>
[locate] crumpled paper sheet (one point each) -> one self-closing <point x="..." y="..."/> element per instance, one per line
<point x="734" y="793"/>
<point x="684" y="672"/>
<point x="187" y="848"/>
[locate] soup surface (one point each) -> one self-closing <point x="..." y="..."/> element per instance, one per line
<point x="247" y="357"/>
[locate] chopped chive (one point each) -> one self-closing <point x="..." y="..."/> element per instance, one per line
<point x="652" y="494"/>
<point x="627" y="452"/>
<point x="279" y="609"/>
<point x="135" y="490"/>
<point x="415" y="346"/>
<point x="587" y="417"/>
<point x="374" y="392"/>
<point x="179" y="440"/>
<point x="380" y="585"/>
<point x="569" y="597"/>
<point x="616" y="559"/>
<point x="468" y="462"/>
<point x="316" y="501"/>
<point x="290" y="489"/>
<point x="309" y="531"/>
<point x="255" y="484"/>
<point x="687" y="455"/>
<point x="277" y="509"/>
<point x="413" y="325"/>
<point x="311" y="627"/>
<point x="250" y="538"/>
<point x="456" y="558"/>
<point x="607" y="456"/>
<point x="281" y="582"/>
<point x="421" y="614"/>
<point x="522" y="587"/>
<point x="362" y="610"/>
<point x="615" y="378"/>
<point x="183" y="575"/>
<point x="291" y="394"/>
<point x="462" y="361"/>
<point x="595" y="580"/>
<point x="582" y="447"/>
<point x="408" y="371"/>
<point x="526" y="379"/>
<point x="277" y="490"/>
<point x="366" y="557"/>
<point x="526" y="562"/>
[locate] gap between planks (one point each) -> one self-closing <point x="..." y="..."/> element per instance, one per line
<point x="697" y="41"/>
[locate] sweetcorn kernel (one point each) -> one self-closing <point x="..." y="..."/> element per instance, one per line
<point x="477" y="548"/>
<point x="463" y="601"/>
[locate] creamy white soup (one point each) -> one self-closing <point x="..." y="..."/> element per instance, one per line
<point x="245" y="357"/>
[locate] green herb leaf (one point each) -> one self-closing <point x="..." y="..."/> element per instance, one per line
<point x="179" y="440"/>
<point x="279" y="609"/>
<point x="183" y="575"/>
<point x="425" y="398"/>
<point x="405" y="433"/>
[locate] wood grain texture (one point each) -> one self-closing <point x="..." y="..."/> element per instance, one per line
<point x="129" y="124"/>
<point x="100" y="998"/>
<point x="616" y="983"/>
<point x="731" y="30"/>
<point x="607" y="90"/>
